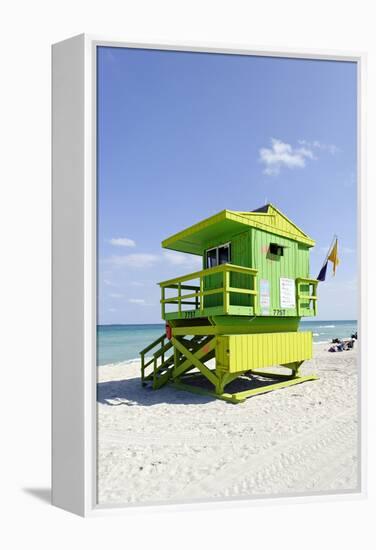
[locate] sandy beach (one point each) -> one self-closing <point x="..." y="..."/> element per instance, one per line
<point x="171" y="445"/>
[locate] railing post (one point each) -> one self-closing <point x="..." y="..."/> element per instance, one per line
<point x="226" y="286"/>
<point x="176" y="358"/>
<point x="314" y="292"/>
<point x="154" y="373"/>
<point x="163" y="293"/>
<point x="162" y="346"/>
<point x="298" y="298"/>
<point x="142" y="367"/>
<point x="254" y="297"/>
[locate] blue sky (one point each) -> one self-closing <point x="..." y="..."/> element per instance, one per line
<point x="183" y="135"/>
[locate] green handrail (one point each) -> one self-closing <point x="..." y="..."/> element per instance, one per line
<point x="153" y="344"/>
<point x="163" y="347"/>
<point x="210" y="271"/>
<point x="226" y="289"/>
<point x="306" y="297"/>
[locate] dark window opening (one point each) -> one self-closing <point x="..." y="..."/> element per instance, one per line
<point x="219" y="255"/>
<point x="276" y="249"/>
<point x="211" y="258"/>
<point x="224" y="254"/>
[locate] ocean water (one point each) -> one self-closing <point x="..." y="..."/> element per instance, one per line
<point x="117" y="343"/>
<point x="325" y="331"/>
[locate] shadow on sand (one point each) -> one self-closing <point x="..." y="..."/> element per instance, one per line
<point x="130" y="392"/>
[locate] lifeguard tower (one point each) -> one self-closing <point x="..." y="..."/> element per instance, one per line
<point x="240" y="314"/>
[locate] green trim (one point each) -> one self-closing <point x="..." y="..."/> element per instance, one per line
<point x="209" y="312"/>
<point x="222" y="325"/>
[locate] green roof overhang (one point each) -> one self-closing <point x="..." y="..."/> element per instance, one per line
<point x="196" y="238"/>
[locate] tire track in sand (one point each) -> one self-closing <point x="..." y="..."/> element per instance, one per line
<point x="320" y="458"/>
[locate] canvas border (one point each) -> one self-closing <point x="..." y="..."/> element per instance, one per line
<point x="79" y="434"/>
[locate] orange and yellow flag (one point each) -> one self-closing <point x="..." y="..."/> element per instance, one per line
<point x="333" y="256"/>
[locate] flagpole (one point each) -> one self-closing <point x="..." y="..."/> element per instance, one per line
<point x="329" y="250"/>
<point x="322" y="274"/>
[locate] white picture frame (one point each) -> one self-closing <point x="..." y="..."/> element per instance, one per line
<point x="74" y="380"/>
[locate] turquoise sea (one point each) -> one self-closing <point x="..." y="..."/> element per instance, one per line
<point x="117" y="343"/>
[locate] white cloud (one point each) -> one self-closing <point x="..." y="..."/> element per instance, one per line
<point x="184" y="260"/>
<point x="139" y="301"/>
<point x="122" y="241"/>
<point x="115" y="295"/>
<point x="136" y="283"/>
<point x="112" y="309"/>
<point x="140" y="260"/>
<point x="329" y="147"/>
<point x="283" y="154"/>
<point x="133" y="260"/>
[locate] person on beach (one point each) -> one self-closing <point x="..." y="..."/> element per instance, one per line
<point x="341" y="345"/>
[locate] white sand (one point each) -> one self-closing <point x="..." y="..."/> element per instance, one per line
<point x="171" y="445"/>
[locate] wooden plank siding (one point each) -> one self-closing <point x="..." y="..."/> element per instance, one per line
<point x="242" y="352"/>
<point x="251" y="249"/>
<point x="294" y="263"/>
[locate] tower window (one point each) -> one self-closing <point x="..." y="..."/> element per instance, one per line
<point x="276" y="249"/>
<point x="218" y="255"/>
<point x="211" y="258"/>
<point x="224" y="254"/>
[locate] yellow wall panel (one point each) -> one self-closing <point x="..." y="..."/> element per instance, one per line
<point x="253" y="351"/>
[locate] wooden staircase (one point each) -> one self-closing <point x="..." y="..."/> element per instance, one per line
<point x="159" y="359"/>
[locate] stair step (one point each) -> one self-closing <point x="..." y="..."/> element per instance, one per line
<point x="162" y="379"/>
<point x="161" y="374"/>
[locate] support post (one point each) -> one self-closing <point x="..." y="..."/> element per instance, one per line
<point x="176" y="361"/>
<point x="142" y="367"/>
<point x="194" y="359"/>
<point x="155" y="373"/>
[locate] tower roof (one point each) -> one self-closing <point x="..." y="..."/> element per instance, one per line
<point x="267" y="218"/>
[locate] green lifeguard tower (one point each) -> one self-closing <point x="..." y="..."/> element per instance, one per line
<point x="240" y="314"/>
